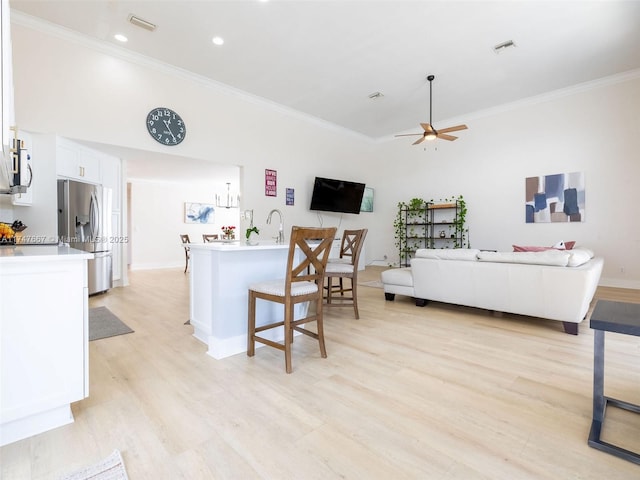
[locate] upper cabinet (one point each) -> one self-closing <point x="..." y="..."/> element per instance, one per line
<point x="76" y="162"/>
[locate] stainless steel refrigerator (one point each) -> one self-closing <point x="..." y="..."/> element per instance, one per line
<point x="84" y="222"/>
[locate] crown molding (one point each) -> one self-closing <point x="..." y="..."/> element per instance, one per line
<point x="536" y="100"/>
<point x="104" y="47"/>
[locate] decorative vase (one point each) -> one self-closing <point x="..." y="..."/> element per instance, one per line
<point x="252" y="240"/>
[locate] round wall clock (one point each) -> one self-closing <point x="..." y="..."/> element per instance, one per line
<point x="166" y="126"/>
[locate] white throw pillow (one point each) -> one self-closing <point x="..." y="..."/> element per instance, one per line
<point x="469" y="254"/>
<point x="558" y="258"/>
<point x="579" y="256"/>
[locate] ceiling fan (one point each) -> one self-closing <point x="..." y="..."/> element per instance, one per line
<point x="431" y="133"/>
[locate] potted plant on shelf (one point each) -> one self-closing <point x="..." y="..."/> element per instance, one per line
<point x="408" y="213"/>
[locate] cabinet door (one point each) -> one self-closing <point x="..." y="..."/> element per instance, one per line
<point x="43" y="335"/>
<point x="117" y="245"/>
<point x="110" y="168"/>
<point x="77" y="164"/>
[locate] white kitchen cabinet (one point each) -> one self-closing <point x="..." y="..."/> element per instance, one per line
<point x="111" y="170"/>
<point x="44" y="339"/>
<point x="77" y="163"/>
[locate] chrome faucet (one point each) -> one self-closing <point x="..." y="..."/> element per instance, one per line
<point x="280" y="238"/>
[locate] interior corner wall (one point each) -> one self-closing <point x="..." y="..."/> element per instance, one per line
<point x="91" y="94"/>
<point x="595" y="131"/>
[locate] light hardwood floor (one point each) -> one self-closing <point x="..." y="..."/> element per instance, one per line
<point x="439" y="392"/>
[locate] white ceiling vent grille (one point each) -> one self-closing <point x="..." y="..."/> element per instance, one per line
<point x="501" y="47"/>
<point x="138" y="22"/>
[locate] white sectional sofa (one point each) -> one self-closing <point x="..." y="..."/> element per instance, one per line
<point x="553" y="284"/>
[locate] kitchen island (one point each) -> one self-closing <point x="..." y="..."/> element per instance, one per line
<point x="44" y="342"/>
<point x="220" y="275"/>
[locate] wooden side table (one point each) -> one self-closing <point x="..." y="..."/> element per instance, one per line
<point x="618" y="317"/>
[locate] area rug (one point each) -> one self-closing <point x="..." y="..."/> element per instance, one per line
<point x="111" y="468"/>
<point x="372" y="283"/>
<point x="104" y="324"/>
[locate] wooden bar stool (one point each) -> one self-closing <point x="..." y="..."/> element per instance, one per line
<point x="303" y="283"/>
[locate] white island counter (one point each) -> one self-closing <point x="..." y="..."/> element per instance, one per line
<point x="44" y="360"/>
<point x="220" y="277"/>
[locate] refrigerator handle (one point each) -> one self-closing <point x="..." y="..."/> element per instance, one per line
<point x="94" y="216"/>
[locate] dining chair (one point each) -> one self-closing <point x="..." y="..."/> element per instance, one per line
<point x="306" y="262"/>
<point x="187" y="252"/>
<point x="206" y="237"/>
<point x="345" y="267"/>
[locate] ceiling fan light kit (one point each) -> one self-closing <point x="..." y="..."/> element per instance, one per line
<point x="431" y="133"/>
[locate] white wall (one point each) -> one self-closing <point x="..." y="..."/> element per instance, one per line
<point x="157" y="219"/>
<point x="104" y="99"/>
<point x="65" y="87"/>
<point x="595" y="131"/>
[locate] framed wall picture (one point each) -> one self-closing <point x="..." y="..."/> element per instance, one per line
<point x="290" y="200"/>
<point x="367" y="200"/>
<point x="198" y="212"/>
<point x="270" y="183"/>
<point x="557" y="198"/>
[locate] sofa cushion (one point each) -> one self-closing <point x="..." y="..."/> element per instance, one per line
<point x="558" y="258"/>
<point x="579" y="256"/>
<point x="397" y="276"/>
<point x="470" y="254"/>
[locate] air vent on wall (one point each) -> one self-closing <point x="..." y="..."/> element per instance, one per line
<point x="138" y="22"/>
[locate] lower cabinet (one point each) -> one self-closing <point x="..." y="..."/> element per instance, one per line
<point x="44" y="344"/>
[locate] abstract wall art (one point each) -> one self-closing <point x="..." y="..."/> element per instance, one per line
<point x="198" y="213"/>
<point x="367" y="200"/>
<point x="555" y="198"/>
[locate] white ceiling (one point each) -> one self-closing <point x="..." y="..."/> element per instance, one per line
<point x="324" y="58"/>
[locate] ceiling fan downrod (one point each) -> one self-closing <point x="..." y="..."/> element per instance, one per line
<point x="430" y="78"/>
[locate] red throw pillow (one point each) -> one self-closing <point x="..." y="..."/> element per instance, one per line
<point x="518" y="248"/>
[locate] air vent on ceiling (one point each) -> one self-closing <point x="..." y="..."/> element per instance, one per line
<point x="375" y="95"/>
<point x="138" y="22"/>
<point x="501" y="47"/>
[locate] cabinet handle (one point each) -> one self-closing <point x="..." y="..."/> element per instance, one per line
<point x="82" y="171"/>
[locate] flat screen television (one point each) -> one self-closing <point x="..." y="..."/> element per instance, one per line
<point x="331" y="195"/>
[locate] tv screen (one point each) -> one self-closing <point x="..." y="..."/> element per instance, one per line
<point x="331" y="195"/>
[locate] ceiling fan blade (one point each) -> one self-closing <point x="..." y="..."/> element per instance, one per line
<point x="420" y="140"/>
<point x="408" y="134"/>
<point x="427" y="127"/>
<point x="453" y="129"/>
<point x="444" y="136"/>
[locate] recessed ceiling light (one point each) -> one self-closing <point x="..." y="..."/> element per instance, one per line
<point x="218" y="40"/>
<point x="120" y="37"/>
<point x="501" y="47"/>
